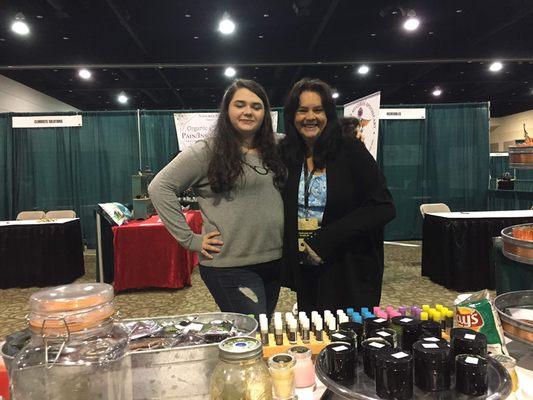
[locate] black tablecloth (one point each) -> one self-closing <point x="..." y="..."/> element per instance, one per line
<point x="40" y="254"/>
<point x="456" y="251"/>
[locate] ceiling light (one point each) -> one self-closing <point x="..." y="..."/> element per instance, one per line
<point x="226" y="26"/>
<point x="187" y="15"/>
<point x="436" y="92"/>
<point x="84" y="73"/>
<point x="411" y="24"/>
<point x="496" y="66"/>
<point x="122" y="98"/>
<point x="363" y="69"/>
<point x="335" y="95"/>
<point x="230" y="72"/>
<point x="20" y="27"/>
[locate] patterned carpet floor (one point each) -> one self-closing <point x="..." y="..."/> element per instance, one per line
<point x="402" y="285"/>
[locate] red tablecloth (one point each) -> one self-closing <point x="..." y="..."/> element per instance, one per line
<point x="146" y="255"/>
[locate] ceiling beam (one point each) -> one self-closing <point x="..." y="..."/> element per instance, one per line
<point x="140" y="44"/>
<point x="22" y="67"/>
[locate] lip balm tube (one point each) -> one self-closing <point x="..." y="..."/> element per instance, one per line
<point x="332" y="326"/>
<point x="263" y="325"/>
<point x="293" y="332"/>
<point x="319" y="337"/>
<point x="305" y="331"/>
<point x="278" y="331"/>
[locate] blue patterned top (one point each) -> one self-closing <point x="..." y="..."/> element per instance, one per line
<point x="317" y="197"/>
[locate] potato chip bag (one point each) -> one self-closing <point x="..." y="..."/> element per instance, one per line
<point x="477" y="312"/>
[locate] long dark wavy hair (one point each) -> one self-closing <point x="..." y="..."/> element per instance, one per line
<point x="292" y="147"/>
<point x="226" y="156"/>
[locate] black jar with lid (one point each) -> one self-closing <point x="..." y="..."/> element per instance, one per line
<point x="341" y="361"/>
<point x="370" y="348"/>
<point x="467" y="341"/>
<point x="394" y="375"/>
<point x="433" y="366"/>
<point x="471" y="374"/>
<point x="373" y="324"/>
<point x="354" y="327"/>
<point x="409" y="331"/>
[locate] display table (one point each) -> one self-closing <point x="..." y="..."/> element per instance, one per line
<point x="456" y="246"/>
<point x="40" y="253"/>
<point x="146" y="255"/>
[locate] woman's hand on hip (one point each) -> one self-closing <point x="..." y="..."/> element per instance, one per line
<point x="210" y="244"/>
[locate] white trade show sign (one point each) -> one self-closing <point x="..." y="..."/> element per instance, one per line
<point x="47" y="121"/>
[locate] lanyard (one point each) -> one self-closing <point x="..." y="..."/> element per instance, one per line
<point x="307" y="182"/>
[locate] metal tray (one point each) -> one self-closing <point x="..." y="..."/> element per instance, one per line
<point x="363" y="387"/>
<point x="181" y="372"/>
<point x="514" y="328"/>
<point x="517" y="249"/>
<point x="521" y="157"/>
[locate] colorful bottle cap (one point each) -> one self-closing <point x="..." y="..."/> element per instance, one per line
<point x="376" y="310"/>
<point x="449" y="314"/>
<point x="349" y="310"/>
<point x="437" y="317"/>
<point x="438" y="307"/>
<point x="424" y="316"/>
<point x="425" y="307"/>
<point x="364" y="310"/>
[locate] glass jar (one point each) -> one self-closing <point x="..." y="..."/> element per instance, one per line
<point x="509" y="363"/>
<point x="304" y="374"/>
<point x="241" y="373"/>
<point x="76" y="351"/>
<point x="281" y="368"/>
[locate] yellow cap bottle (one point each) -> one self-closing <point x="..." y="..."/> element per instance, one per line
<point x="438" y="307"/>
<point x="437" y="316"/>
<point x="424" y="316"/>
<point x="425" y="307"/>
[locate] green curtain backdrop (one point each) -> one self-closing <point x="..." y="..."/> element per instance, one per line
<point x="441" y="159"/>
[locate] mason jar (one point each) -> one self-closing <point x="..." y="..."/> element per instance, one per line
<point x="241" y="373"/>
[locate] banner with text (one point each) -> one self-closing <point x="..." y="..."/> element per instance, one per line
<point x="191" y="127"/>
<point x="366" y="110"/>
<point x="402" y="113"/>
<point x="47" y="121"/>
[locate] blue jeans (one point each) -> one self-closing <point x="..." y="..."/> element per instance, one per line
<point x="251" y="289"/>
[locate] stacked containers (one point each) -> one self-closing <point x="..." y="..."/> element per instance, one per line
<point x="76" y="351"/>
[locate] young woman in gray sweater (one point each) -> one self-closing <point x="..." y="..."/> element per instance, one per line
<point x="237" y="176"/>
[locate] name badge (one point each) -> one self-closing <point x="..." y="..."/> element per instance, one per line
<point x="306" y="227"/>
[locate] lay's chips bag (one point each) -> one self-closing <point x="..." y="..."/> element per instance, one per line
<point x="476" y="312"/>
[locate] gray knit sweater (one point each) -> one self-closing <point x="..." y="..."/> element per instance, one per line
<point x="250" y="219"/>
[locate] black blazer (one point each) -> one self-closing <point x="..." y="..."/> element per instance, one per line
<point x="350" y="240"/>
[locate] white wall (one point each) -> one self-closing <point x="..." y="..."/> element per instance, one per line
<point x="505" y="130"/>
<point x="16" y="97"/>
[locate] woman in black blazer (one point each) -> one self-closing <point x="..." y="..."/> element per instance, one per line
<point x="336" y="205"/>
